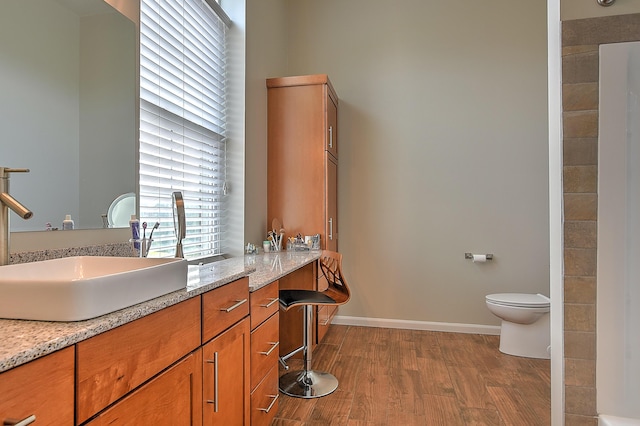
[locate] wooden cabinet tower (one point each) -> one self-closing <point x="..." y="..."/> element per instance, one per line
<point x="302" y="175"/>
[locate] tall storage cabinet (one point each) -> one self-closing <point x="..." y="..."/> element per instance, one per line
<point x="302" y="156"/>
<point x="302" y="174"/>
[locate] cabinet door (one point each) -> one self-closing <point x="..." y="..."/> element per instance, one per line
<point x="331" y="200"/>
<point x="225" y="374"/>
<point x="332" y="127"/>
<point x="173" y="398"/>
<point x="42" y="388"/>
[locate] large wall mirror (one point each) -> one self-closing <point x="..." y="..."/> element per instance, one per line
<point x="68" y="79"/>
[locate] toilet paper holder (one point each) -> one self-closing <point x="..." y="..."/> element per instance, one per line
<point x="470" y="256"/>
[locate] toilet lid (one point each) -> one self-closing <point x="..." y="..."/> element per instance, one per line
<point x="519" y="300"/>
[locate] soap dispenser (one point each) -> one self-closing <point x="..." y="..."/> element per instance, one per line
<point x="67" y="223"/>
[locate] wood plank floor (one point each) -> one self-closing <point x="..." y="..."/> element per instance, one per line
<point x="410" y="377"/>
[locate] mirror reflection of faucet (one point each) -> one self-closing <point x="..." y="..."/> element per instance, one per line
<point x="8" y="202"/>
<point x="179" y="221"/>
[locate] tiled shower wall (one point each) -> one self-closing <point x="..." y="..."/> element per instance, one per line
<point x="580" y="71"/>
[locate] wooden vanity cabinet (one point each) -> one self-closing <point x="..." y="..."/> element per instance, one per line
<point x="42" y="388"/>
<point x="264" y="354"/>
<point x="187" y="364"/>
<point x="111" y="364"/>
<point x="226" y="339"/>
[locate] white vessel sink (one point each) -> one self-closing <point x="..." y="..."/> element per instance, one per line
<point x="83" y="287"/>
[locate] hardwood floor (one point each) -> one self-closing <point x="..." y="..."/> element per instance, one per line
<point x="410" y="377"/>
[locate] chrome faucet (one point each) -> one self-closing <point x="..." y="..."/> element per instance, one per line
<point x="8" y="202"/>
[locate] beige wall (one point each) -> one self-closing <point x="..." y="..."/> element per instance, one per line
<point x="266" y="57"/>
<point x="443" y="133"/>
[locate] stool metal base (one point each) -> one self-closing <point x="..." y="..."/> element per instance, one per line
<point x="308" y="384"/>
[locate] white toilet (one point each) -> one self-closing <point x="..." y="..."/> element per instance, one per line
<point x="525" y="329"/>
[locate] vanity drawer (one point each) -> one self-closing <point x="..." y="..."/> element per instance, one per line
<point x="113" y="363"/>
<point x="223" y="307"/>
<point x="264" y="400"/>
<point x="264" y="303"/>
<point x="264" y="349"/>
<point x="43" y="388"/>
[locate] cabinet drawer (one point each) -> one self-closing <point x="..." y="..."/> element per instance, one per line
<point x="173" y="398"/>
<point x="115" y="362"/>
<point x="264" y="400"/>
<point x="223" y="307"/>
<point x="264" y="303"/>
<point x="264" y="349"/>
<point x="43" y="388"/>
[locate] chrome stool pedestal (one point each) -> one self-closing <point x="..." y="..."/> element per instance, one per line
<point x="307" y="383"/>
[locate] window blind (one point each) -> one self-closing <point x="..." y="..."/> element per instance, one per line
<point x="182" y="123"/>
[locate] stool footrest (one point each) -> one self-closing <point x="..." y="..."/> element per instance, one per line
<point x="308" y="384"/>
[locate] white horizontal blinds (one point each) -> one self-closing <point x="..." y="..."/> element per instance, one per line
<point x="182" y="123"/>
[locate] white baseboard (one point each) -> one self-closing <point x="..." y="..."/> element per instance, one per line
<point x="417" y="325"/>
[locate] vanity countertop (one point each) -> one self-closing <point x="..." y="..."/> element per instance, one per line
<point x="23" y="341"/>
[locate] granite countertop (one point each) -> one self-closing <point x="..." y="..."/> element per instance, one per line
<point x="23" y="341"/>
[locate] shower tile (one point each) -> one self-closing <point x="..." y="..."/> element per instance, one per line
<point x="579" y="345"/>
<point x="580" y="96"/>
<point x="578" y="420"/>
<point x="579" y="68"/>
<point x="580" y="372"/>
<point x="580" y="152"/>
<point x="580" y="124"/>
<point x="607" y="29"/>
<point x="580" y="262"/>
<point x="580" y="400"/>
<point x="580" y="178"/>
<point x="580" y="290"/>
<point x="580" y="234"/>
<point x="580" y="206"/>
<point x="579" y="317"/>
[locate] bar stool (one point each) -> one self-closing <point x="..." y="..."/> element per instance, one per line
<point x="308" y="383"/>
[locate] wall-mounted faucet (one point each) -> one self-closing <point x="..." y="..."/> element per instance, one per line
<point x="8" y="202"/>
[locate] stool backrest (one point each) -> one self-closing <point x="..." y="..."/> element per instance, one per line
<point x="331" y="267"/>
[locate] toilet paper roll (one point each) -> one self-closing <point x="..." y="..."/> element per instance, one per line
<point x="479" y="258"/>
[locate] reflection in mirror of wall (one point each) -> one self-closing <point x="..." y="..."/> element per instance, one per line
<point x="69" y="108"/>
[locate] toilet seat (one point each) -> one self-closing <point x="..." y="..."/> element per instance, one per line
<point x="519" y="300"/>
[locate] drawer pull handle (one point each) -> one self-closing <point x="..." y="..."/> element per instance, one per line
<point x="274" y="345"/>
<point x="275" y="398"/>
<point x="268" y="305"/>
<point x="331" y="228"/>
<point x="231" y="308"/>
<point x="330" y="136"/>
<point x="214" y="361"/>
<point x="24" y="422"/>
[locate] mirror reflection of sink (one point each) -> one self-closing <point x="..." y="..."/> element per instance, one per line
<point x="83" y="287"/>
